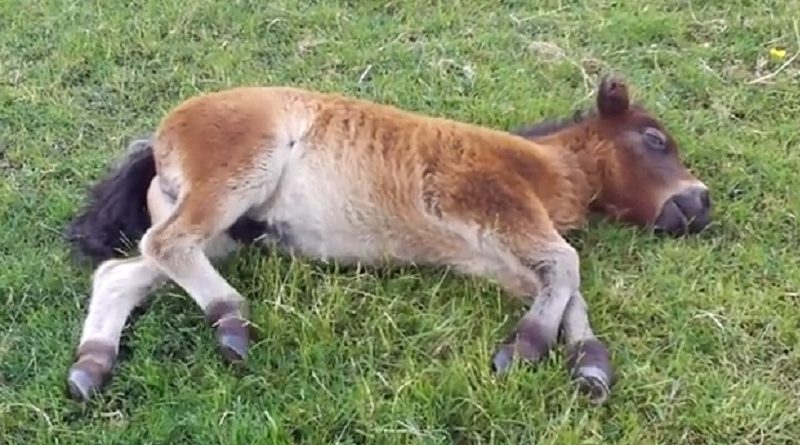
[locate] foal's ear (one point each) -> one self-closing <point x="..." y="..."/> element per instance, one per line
<point x="612" y="97"/>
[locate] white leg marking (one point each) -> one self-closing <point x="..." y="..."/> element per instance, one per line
<point x="118" y="287"/>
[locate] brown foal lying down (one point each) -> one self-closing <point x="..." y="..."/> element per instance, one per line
<point x="341" y="179"/>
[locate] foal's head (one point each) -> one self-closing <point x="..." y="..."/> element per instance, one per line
<point x="642" y="178"/>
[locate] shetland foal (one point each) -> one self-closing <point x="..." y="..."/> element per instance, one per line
<point x="335" y="178"/>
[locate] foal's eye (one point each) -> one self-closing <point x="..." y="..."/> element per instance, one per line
<point x="655" y="139"/>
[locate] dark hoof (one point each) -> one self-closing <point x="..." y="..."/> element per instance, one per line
<point x="91" y="370"/>
<point x="594" y="383"/>
<point x="529" y="342"/>
<point x="82" y="385"/>
<point x="233" y="330"/>
<point x="589" y="363"/>
<point x="233" y="338"/>
<point x="503" y="359"/>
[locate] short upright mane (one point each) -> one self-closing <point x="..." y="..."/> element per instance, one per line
<point x="551" y="126"/>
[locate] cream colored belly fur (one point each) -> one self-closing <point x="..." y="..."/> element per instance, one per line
<point x="307" y="216"/>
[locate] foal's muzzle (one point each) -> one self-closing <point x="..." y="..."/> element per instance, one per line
<point x="686" y="212"/>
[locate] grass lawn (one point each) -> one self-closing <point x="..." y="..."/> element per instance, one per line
<point x="703" y="331"/>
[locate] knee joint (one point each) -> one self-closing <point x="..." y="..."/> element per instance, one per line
<point x="558" y="266"/>
<point x="157" y="245"/>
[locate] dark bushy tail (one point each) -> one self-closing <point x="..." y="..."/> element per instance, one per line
<point x="115" y="214"/>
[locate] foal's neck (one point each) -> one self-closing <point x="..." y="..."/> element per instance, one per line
<point x="582" y="150"/>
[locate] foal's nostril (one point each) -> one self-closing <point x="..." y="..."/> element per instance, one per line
<point x="686" y="212"/>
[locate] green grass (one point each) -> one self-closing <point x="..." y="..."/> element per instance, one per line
<point x="704" y="331"/>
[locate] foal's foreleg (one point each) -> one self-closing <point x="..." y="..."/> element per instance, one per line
<point x="588" y="359"/>
<point x="555" y="267"/>
<point x="558" y="304"/>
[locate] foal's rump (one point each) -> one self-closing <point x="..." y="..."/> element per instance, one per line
<point x="115" y="215"/>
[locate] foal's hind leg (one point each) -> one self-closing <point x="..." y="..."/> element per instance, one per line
<point x="175" y="247"/>
<point x="588" y="359"/>
<point x="118" y="286"/>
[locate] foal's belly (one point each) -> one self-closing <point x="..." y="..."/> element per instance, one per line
<point x="324" y="237"/>
<point x="308" y="216"/>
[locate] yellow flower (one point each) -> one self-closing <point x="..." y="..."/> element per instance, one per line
<point x="777" y="53"/>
